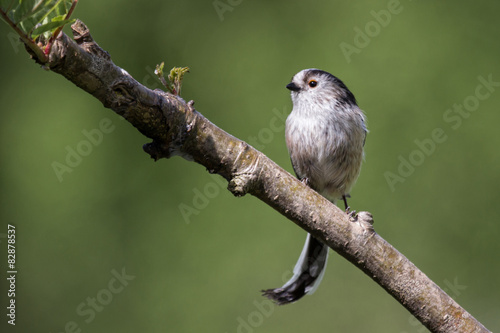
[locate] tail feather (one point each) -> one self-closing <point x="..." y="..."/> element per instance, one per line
<point x="307" y="276"/>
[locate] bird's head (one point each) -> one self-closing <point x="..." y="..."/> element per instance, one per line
<point x="317" y="86"/>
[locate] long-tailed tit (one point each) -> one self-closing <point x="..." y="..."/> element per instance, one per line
<point x="325" y="134"/>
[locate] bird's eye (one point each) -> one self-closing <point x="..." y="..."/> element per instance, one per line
<point x="313" y="83"/>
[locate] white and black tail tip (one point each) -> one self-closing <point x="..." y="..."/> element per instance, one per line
<point x="307" y="274"/>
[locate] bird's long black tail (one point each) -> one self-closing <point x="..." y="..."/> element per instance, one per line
<point x="307" y="273"/>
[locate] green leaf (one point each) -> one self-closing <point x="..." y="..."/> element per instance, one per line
<point x="63" y="7"/>
<point x="161" y="77"/>
<point x="16" y="13"/>
<point x="175" y="77"/>
<point x="159" y="69"/>
<point x="6" y="5"/>
<point x="27" y="9"/>
<point x="42" y="14"/>
<point x="51" y="26"/>
<point x="27" y="14"/>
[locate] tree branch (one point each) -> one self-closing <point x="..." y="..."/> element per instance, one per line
<point x="176" y="128"/>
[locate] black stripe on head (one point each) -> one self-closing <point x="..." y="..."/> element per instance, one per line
<point x="346" y="96"/>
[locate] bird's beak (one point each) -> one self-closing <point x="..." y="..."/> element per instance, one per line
<point x="293" y="87"/>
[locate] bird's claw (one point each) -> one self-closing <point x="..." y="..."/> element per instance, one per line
<point x="353" y="216"/>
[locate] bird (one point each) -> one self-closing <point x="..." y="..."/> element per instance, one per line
<point x="325" y="135"/>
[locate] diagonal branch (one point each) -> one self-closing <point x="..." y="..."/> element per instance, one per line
<point x="176" y="128"/>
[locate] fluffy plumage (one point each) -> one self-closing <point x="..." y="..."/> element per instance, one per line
<point x="325" y="134"/>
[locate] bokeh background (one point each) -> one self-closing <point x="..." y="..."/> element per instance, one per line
<point x="119" y="213"/>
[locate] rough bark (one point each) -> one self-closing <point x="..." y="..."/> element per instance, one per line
<point x="176" y="128"/>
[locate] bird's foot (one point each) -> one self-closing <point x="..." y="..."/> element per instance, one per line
<point x="351" y="213"/>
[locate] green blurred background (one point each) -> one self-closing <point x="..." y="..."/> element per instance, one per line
<point x="118" y="212"/>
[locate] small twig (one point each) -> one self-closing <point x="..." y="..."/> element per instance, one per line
<point x="56" y="33"/>
<point x="38" y="52"/>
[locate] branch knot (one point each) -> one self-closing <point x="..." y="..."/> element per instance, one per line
<point x="246" y="174"/>
<point x="82" y="36"/>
